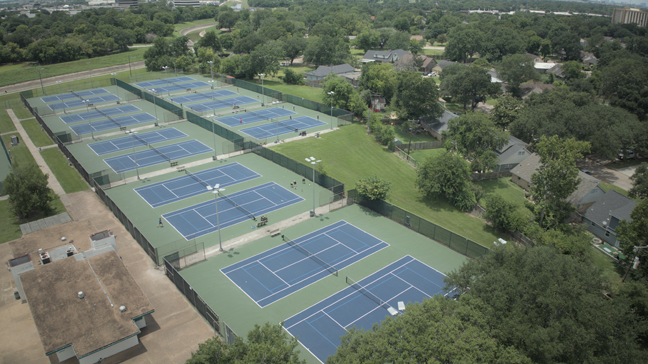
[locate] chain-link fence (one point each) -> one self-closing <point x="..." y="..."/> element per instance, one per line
<point x="433" y="231"/>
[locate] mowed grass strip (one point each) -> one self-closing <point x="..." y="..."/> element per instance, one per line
<point x="36" y="134"/>
<point x="6" y="124"/>
<point x="22" y="113"/>
<point x="307" y="92"/>
<point x="67" y="176"/>
<point x="11" y="224"/>
<point x="349" y="154"/>
<point x="19" y="153"/>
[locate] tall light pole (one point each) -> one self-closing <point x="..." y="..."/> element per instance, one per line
<point x="132" y="134"/>
<point x="634" y="262"/>
<point x="214" y="117"/>
<point x="312" y="161"/>
<point x="90" y="70"/>
<point x="61" y="93"/>
<point x="410" y="145"/>
<point x="115" y="77"/>
<point x="215" y="190"/>
<point x="166" y="75"/>
<point x="129" y="67"/>
<point x="262" y="89"/>
<point x="175" y="71"/>
<point x="211" y="70"/>
<point x="41" y="79"/>
<point x="154" y="105"/>
<point x="87" y="102"/>
<point x="331" y="93"/>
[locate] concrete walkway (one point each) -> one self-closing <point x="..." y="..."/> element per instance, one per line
<point x="52" y="182"/>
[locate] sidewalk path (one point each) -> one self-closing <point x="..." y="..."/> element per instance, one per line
<point x="52" y="182"/>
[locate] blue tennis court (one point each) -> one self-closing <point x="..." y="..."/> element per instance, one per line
<point x="180" y="87"/>
<point x="179" y="188"/>
<point x="320" y="326"/>
<point x="139" y="140"/>
<point x="200" y="219"/>
<point x="221" y="104"/>
<point x="199" y="97"/>
<point x="68" y="96"/>
<point x="163" y="82"/>
<point x="150" y="157"/>
<point x="107" y="124"/>
<point x="79" y="102"/>
<point x="255" y="116"/>
<point x="282" y="127"/>
<point x="94" y="114"/>
<point x="283" y="270"/>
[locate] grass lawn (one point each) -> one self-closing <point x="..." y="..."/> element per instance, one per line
<point x="11" y="225"/>
<point x="433" y="52"/>
<point x="421" y="155"/>
<point x="609" y="186"/>
<point x="503" y="187"/>
<point x="6" y="125"/>
<point x="29" y="71"/>
<point x="22" y="113"/>
<point x="20" y="153"/>
<point x="67" y="176"/>
<point x="195" y="35"/>
<point x="310" y="93"/>
<point x="181" y="26"/>
<point x="36" y="134"/>
<point x="607" y="265"/>
<point x="404" y="136"/>
<point x="350" y="154"/>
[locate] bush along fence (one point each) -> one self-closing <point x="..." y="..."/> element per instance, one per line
<point x="435" y="232"/>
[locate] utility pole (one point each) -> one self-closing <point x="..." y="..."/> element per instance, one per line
<point x="635" y="261"/>
<point x="410" y="141"/>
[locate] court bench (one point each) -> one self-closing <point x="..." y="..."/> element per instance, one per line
<point x="274" y="232"/>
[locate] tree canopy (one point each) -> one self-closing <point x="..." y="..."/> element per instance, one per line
<point x="27" y="188"/>
<point x="447" y="175"/>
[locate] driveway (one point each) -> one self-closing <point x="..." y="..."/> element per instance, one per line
<point x="605" y="174"/>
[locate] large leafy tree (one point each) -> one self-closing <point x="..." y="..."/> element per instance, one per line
<point x="378" y="78"/>
<point x="623" y="83"/>
<point x="549" y="307"/>
<point x="635" y="233"/>
<point x="556" y="178"/>
<point x="467" y="84"/>
<point x="415" y="96"/>
<point x="344" y="96"/>
<point x="373" y="187"/>
<point x="503" y="215"/>
<point x="210" y="40"/>
<point x="464" y="42"/>
<point x="639" y="182"/>
<point x="515" y="70"/>
<point x="476" y="138"/>
<point x="447" y="175"/>
<point x="28" y="192"/>
<point x="505" y="111"/>
<point x="326" y="50"/>
<point x="293" y="47"/>
<point x="367" y="39"/>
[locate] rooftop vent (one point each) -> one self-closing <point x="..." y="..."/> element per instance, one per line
<point x="81" y="295"/>
<point x="122" y="308"/>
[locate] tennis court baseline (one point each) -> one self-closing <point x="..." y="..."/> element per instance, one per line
<point x="94" y="114"/>
<point x="200" y="219"/>
<point x="255" y="116"/>
<point x="69" y="95"/>
<point x="179" y="188"/>
<point x="320" y="326"/>
<point x="150" y="157"/>
<point x="180" y="87"/>
<point x="79" y="102"/>
<point x="163" y="82"/>
<point x="283" y="270"/>
<point x="282" y="127"/>
<point x="199" y="97"/>
<point x="221" y="104"/>
<point x="107" y="124"/>
<point x="141" y="140"/>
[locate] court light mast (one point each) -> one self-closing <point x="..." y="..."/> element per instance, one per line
<point x="312" y="161"/>
<point x="41" y="79"/>
<point x="262" y="89"/>
<point x="166" y="75"/>
<point x="87" y="102"/>
<point x="90" y="70"/>
<point x="211" y="70"/>
<point x="214" y="117"/>
<point x="61" y="93"/>
<point x="215" y="190"/>
<point x="331" y="93"/>
<point x="115" y="77"/>
<point x="132" y="134"/>
<point x="154" y="105"/>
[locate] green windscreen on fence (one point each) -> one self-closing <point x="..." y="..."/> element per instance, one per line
<point x="129" y="88"/>
<point x="435" y="232"/>
<point x="230" y="135"/>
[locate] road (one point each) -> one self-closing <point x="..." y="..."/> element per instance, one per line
<point x="18" y="87"/>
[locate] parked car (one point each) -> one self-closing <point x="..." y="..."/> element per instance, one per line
<point x="586" y="171"/>
<point x="627" y="154"/>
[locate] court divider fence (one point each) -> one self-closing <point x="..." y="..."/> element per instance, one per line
<point x="433" y="231"/>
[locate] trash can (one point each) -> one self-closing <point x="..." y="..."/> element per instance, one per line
<point x="17" y="295"/>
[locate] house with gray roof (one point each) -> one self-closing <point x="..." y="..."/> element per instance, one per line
<point x="511" y="154"/>
<point x="603" y="217"/>
<point x="322" y="71"/>
<point x="436" y="126"/>
<point x="384" y="56"/>
<point x="441" y="65"/>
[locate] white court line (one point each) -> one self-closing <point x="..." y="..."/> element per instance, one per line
<point x="411" y="285"/>
<point x="270" y="270"/>
<point x="169" y="190"/>
<point x="308" y="257"/>
<point x="341" y="243"/>
<point x="379" y="306"/>
<point x="332" y="319"/>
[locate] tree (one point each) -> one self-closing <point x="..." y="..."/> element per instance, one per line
<point x="516" y="69"/>
<point x="623" y="83"/>
<point x="503" y="215"/>
<point x="264" y="344"/>
<point x="367" y="39"/>
<point x="549" y="306"/>
<point x="415" y="96"/>
<point x="467" y="84"/>
<point x="378" y="78"/>
<point x="639" y="182"/>
<point x="293" y="46"/>
<point x="635" y="233"/>
<point x="572" y="70"/>
<point x="556" y="178"/>
<point x="263" y="59"/>
<point x="291" y="77"/>
<point x="373" y="187"/>
<point x="210" y="40"/>
<point x="475" y="137"/>
<point x="502" y="41"/>
<point x="505" y="111"/>
<point x="27" y="189"/>
<point x="434" y="331"/>
<point x="464" y="43"/>
<point x="227" y="19"/>
<point x="545" y="48"/>
<point x="415" y="47"/>
<point x="344" y="96"/>
<point x="326" y="50"/>
<point x="447" y="175"/>
<point x="398" y="40"/>
<point x="442" y="38"/>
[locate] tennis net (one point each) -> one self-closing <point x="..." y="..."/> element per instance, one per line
<point x="303" y="250"/>
<point x="367" y="293"/>
<point x="259" y="115"/>
<point x="245" y="211"/>
<point x="196" y="178"/>
<point x="140" y="139"/>
<point x="291" y="127"/>
<point x="160" y="153"/>
<point x="108" y="117"/>
<point x="76" y="94"/>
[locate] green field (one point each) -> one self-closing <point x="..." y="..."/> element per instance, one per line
<point x="66" y="175"/>
<point x="422" y="155"/>
<point x="310" y="93"/>
<point x="182" y="26"/>
<point x="30" y="72"/>
<point x="36" y="134"/>
<point x="350" y="154"/>
<point x="22" y="113"/>
<point x="20" y="153"/>
<point x="195" y="35"/>
<point x="606" y="264"/>
<point x="503" y="187"/>
<point x="404" y="136"/>
<point x="6" y="124"/>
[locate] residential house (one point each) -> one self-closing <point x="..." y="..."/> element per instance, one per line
<point x="535" y="58"/>
<point x="384" y="56"/>
<point x="436" y="126"/>
<point x="543" y="67"/>
<point x="511" y="154"/>
<point x="322" y="71"/>
<point x="441" y="65"/>
<point x="428" y="64"/>
<point x="603" y="217"/>
<point x="378" y="103"/>
<point x="587" y="193"/>
<point x="557" y="70"/>
<point x="588" y="59"/>
<point x="534" y="88"/>
<point x="352" y="77"/>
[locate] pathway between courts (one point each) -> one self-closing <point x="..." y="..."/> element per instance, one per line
<point x="52" y="182"/>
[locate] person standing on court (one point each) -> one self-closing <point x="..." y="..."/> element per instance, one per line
<point x="160" y="223"/>
<point x="241" y="120"/>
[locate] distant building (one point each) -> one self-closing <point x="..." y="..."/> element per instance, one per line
<point x="127" y="3"/>
<point x="630" y="15"/>
<point x="322" y="71"/>
<point x="384" y="56"/>
<point x="603" y="217"/>
<point x="181" y="3"/>
<point x="436" y="126"/>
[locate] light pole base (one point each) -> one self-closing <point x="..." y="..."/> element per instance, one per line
<point x="312" y="213"/>
<point x="214" y="158"/>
